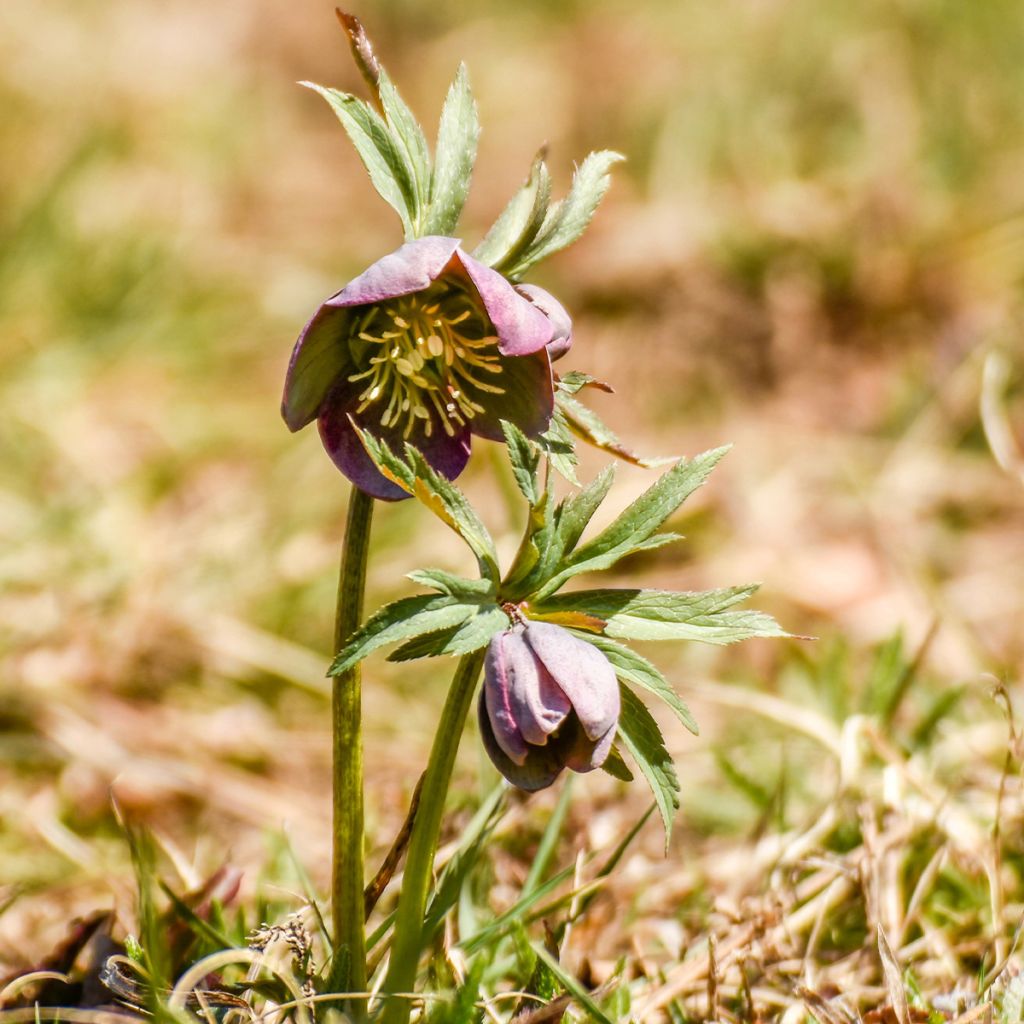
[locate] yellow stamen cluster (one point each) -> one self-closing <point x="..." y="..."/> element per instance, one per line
<point x="421" y="363"/>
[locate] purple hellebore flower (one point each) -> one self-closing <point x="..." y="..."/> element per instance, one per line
<point x="429" y="346"/>
<point x="549" y="701"/>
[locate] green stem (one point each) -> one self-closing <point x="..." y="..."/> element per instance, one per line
<point x="408" y="938"/>
<point x="347" y="866"/>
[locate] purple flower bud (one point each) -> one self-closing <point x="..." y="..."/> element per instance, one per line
<point x="561" y="322"/>
<point x="429" y="346"/>
<point x="549" y="701"/>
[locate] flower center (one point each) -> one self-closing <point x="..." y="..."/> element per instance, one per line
<point x="421" y="359"/>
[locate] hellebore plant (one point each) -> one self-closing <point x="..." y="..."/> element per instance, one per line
<point x="427" y="347"/>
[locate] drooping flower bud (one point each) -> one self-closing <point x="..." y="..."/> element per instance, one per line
<point x="549" y="701"/>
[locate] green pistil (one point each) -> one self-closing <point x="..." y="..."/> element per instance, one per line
<point x="423" y="365"/>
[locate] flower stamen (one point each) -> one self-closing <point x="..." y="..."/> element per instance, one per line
<point x="426" y="364"/>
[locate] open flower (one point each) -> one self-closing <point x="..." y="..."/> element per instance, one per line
<point x="428" y="346"/>
<point x="549" y="701"/>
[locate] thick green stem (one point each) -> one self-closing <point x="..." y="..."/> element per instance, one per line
<point x="347" y="866"/>
<point x="407" y="943"/>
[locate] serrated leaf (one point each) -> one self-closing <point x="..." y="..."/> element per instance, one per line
<point x="394" y="468"/>
<point x="401" y="620"/>
<point x="525" y="458"/>
<point x="440" y="495"/>
<point x="641" y="736"/>
<point x="587" y="425"/>
<point x="639" y="521"/>
<point x="557" y="444"/>
<point x="616" y="767"/>
<point x="450" y="505"/>
<point x="457" y="137"/>
<point x="535" y="555"/>
<point x="410" y="141"/>
<point x="477" y="631"/>
<point x="704" y="615"/>
<point x="567" y="220"/>
<point x="448" y="583"/>
<point x="520" y="221"/>
<point x="659" y="540"/>
<point x="471" y="635"/>
<point x="430" y="645"/>
<point x="630" y="667"/>
<point x="379" y="151"/>
<point x="575" y="513"/>
<point x="575" y="381"/>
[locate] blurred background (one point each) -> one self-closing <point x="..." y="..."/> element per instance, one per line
<point x="815" y="251"/>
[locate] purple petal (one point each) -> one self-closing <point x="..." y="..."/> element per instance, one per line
<point x="448" y="455"/>
<point x="410" y="268"/>
<point x="561" y="322"/>
<point x="320" y="358"/>
<point x="539" y="710"/>
<point x="524" y="703"/>
<point x="321" y="355"/>
<point x="505" y="659"/>
<point x="521" y="327"/>
<point x="528" y="399"/>
<point x="582" y="672"/>
<point x="540" y="766"/>
<point x="538" y="705"/>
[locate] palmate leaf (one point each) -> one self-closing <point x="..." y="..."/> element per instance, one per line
<point x="704" y="615"/>
<point x="630" y="667"/>
<point x="441" y="496"/>
<point x="402" y="620"/>
<point x="641" y="736"/>
<point x="457" y="138"/>
<point x="638" y="522"/>
<point x="381" y="153"/>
